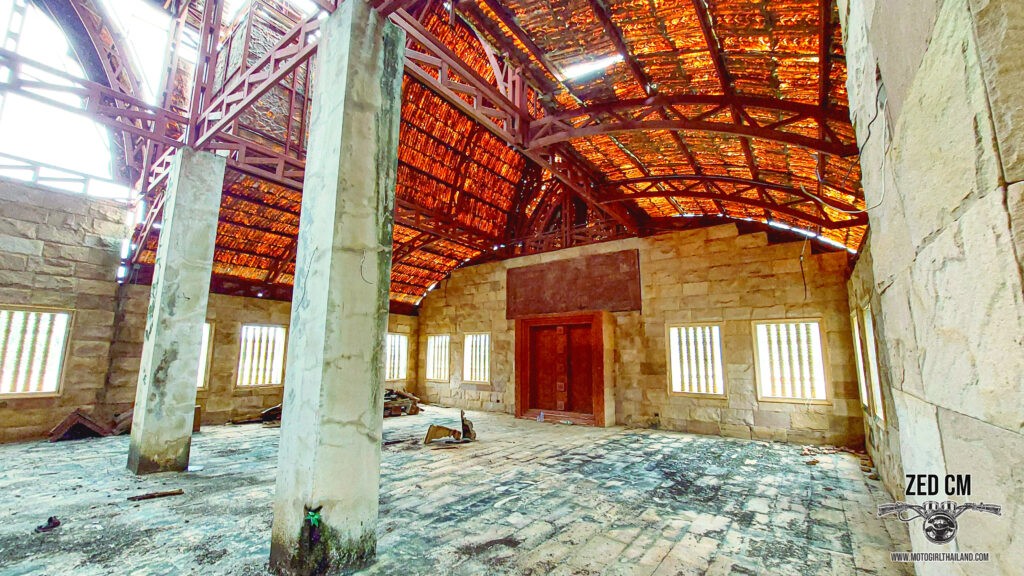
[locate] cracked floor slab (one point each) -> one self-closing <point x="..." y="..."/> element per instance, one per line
<point x="528" y="498"/>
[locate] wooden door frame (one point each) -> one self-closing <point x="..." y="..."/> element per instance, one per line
<point x="595" y="319"/>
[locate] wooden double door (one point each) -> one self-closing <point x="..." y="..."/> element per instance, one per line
<point x="560" y="368"/>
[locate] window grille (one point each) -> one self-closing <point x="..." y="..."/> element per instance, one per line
<point x="477" y="358"/>
<point x="695" y="360"/>
<point x="396" y="354"/>
<point x="790" y="361"/>
<point x="858" y="354"/>
<point x="438" y="358"/>
<point x="872" y="363"/>
<point x="32" y="346"/>
<point x="261" y="360"/>
<point x="205" y="353"/>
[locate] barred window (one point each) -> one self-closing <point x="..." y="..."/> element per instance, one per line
<point x="790" y="360"/>
<point x="32" y="346"/>
<point x="695" y="360"/>
<point x="205" y="353"/>
<point x="872" y="364"/>
<point x="858" y="354"/>
<point x="477" y="358"/>
<point x="396" y="354"/>
<point x="438" y="358"/>
<point x="261" y="360"/>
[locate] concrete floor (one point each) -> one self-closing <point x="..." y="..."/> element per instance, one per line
<point x="529" y="498"/>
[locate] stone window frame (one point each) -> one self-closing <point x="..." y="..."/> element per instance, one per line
<point x="872" y="373"/>
<point x="426" y="362"/>
<point x="204" y="384"/>
<point x="284" y="366"/>
<point x="858" y="357"/>
<point x="668" y="359"/>
<point x="66" y="353"/>
<point x="465" y="344"/>
<point x="825" y="359"/>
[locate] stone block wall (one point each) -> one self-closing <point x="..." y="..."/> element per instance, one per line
<point x="942" y="162"/>
<point x="882" y="434"/>
<point x="707" y="275"/>
<point x="222" y="399"/>
<point x="60" y="250"/>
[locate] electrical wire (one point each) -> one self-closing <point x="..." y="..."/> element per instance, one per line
<point x="803" y="275"/>
<point x="846" y="179"/>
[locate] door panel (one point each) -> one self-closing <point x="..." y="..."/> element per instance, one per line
<point x="580" y="360"/>
<point x="544" y="361"/>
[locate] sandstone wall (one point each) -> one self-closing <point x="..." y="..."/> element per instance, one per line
<point x="60" y="250"/>
<point x="222" y="400"/>
<point x="943" y="163"/>
<point x="712" y="275"/>
<point x="883" y="438"/>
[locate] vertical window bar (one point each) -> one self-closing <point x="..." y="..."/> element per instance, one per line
<point x="243" y="357"/>
<point x="695" y="337"/>
<point x="675" y="359"/>
<point x="19" y="343"/>
<point x="55" y="350"/>
<point x="774" y="355"/>
<point x="720" y="380"/>
<point x="810" y="381"/>
<point x="709" y="360"/>
<point x="694" y="369"/>
<point x="42" y="345"/>
<point x="794" y="359"/>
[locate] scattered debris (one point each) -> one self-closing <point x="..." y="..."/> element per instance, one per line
<point x="436" y="432"/>
<point x="829" y="488"/>
<point x="812" y="462"/>
<point x="76" y="426"/>
<point x="873" y="476"/>
<point x="123" y="422"/>
<point x="812" y="450"/>
<point x="152" y="495"/>
<point x="271" y="414"/>
<point x="399" y="402"/>
<point x="468" y="433"/>
<point x="51" y="523"/>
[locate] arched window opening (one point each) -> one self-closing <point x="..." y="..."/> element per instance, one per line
<point x="40" y="143"/>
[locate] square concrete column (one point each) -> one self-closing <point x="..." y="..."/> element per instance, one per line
<point x="328" y="478"/>
<point x="166" y="395"/>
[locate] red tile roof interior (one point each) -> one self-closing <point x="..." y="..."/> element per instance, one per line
<point x="463" y="188"/>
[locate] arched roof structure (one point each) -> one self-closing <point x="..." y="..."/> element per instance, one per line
<point x="729" y="108"/>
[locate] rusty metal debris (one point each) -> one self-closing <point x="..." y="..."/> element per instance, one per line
<point x="78" y="425"/>
<point x="436" y="432"/>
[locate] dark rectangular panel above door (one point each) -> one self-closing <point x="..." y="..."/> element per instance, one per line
<point x="609" y="282"/>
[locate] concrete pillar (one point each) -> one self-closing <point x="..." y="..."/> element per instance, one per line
<point x="328" y="478"/>
<point x="166" y="395"/>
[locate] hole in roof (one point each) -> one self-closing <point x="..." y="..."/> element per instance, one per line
<point x="577" y="71"/>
